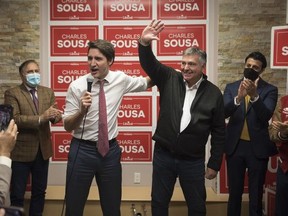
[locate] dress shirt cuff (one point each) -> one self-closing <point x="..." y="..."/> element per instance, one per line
<point x="282" y="138"/>
<point x="255" y="99"/>
<point x="5" y="161"/>
<point x="235" y="101"/>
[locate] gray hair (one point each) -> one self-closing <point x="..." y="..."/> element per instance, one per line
<point x="196" y="51"/>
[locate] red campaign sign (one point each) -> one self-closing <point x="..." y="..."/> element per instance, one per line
<point x="269" y="201"/>
<point x="135" y="111"/>
<point x="175" y="39"/>
<point x="136" y="146"/>
<point x="73" y="10"/>
<point x="61" y="145"/>
<point x="182" y="9"/>
<point x="63" y="73"/>
<point x="279" y="47"/>
<point x="131" y="68"/>
<point x="60" y="100"/>
<point x="127" y="10"/>
<point x="124" y="39"/>
<point x="71" y="40"/>
<point x="270" y="175"/>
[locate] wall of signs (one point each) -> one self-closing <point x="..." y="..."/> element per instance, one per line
<point x="67" y="27"/>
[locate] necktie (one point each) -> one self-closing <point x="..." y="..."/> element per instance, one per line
<point x="103" y="143"/>
<point x="35" y="99"/>
<point x="245" y="133"/>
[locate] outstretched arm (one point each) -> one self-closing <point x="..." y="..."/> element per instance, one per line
<point x="151" y="32"/>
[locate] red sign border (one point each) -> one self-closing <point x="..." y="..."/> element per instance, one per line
<point x="274" y="37"/>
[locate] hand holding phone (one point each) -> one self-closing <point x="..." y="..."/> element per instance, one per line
<point x="12" y="211"/>
<point x="6" y="114"/>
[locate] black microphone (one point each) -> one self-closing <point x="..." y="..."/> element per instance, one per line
<point x="89" y="83"/>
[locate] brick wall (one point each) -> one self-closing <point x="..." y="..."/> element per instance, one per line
<point x="245" y="26"/>
<point x="19" y="39"/>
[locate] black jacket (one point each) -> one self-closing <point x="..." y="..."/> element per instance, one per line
<point x="207" y="112"/>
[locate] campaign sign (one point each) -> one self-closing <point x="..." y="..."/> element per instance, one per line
<point x="131" y="68"/>
<point x="279" y="47"/>
<point x="181" y="9"/>
<point x="135" y="111"/>
<point x="127" y="10"/>
<point x="174" y="39"/>
<point x="269" y="201"/>
<point x="61" y="145"/>
<point x="270" y="175"/>
<point x="73" y="10"/>
<point x="135" y="146"/>
<point x="124" y="39"/>
<point x="60" y="100"/>
<point x="63" y="73"/>
<point x="71" y="40"/>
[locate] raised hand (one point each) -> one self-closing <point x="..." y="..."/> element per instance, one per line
<point x="151" y="32"/>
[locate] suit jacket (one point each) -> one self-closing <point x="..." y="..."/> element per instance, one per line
<point x="32" y="135"/>
<point x="258" y="115"/>
<point x="5" y="177"/>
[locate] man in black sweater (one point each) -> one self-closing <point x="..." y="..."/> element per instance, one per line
<point x="191" y="109"/>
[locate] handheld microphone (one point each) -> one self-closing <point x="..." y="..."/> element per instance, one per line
<point x="89" y="83"/>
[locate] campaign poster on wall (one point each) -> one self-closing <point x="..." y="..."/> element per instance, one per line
<point x="74" y="10"/>
<point x="181" y="9"/>
<point x="124" y="38"/>
<point x="127" y="10"/>
<point x="135" y="111"/>
<point x="136" y="146"/>
<point x="174" y="39"/>
<point x="279" y="47"/>
<point x="61" y="145"/>
<point x="71" y="40"/>
<point x="63" y="73"/>
<point x="131" y="68"/>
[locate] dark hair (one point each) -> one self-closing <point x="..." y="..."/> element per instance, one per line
<point x="23" y="66"/>
<point x="196" y="51"/>
<point x="258" y="56"/>
<point x="105" y="47"/>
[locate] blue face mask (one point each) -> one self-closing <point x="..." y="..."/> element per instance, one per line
<point x="33" y="79"/>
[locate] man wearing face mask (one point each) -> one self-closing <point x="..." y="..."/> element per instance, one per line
<point x="34" y="107"/>
<point x="249" y="104"/>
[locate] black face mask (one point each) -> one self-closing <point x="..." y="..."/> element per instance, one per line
<point x="251" y="74"/>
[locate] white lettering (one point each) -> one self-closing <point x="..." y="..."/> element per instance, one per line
<point x="73" y="8"/>
<point x="72" y="43"/>
<point x="132" y="149"/>
<point x="180" y="43"/>
<point x="181" y="7"/>
<point x="285" y="50"/>
<point x="131" y="114"/>
<point x="125" y="43"/>
<point x="127" y="7"/>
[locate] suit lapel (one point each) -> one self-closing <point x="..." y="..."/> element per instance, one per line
<point x="28" y="97"/>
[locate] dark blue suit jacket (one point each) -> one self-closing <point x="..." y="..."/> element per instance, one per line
<point x="258" y="115"/>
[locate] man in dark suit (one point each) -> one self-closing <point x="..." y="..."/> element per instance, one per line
<point x="34" y="107"/>
<point x="191" y="109"/>
<point x="249" y="105"/>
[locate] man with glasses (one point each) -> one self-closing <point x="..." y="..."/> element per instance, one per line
<point x="249" y="105"/>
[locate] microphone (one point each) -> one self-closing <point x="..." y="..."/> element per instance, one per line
<point x="89" y="83"/>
